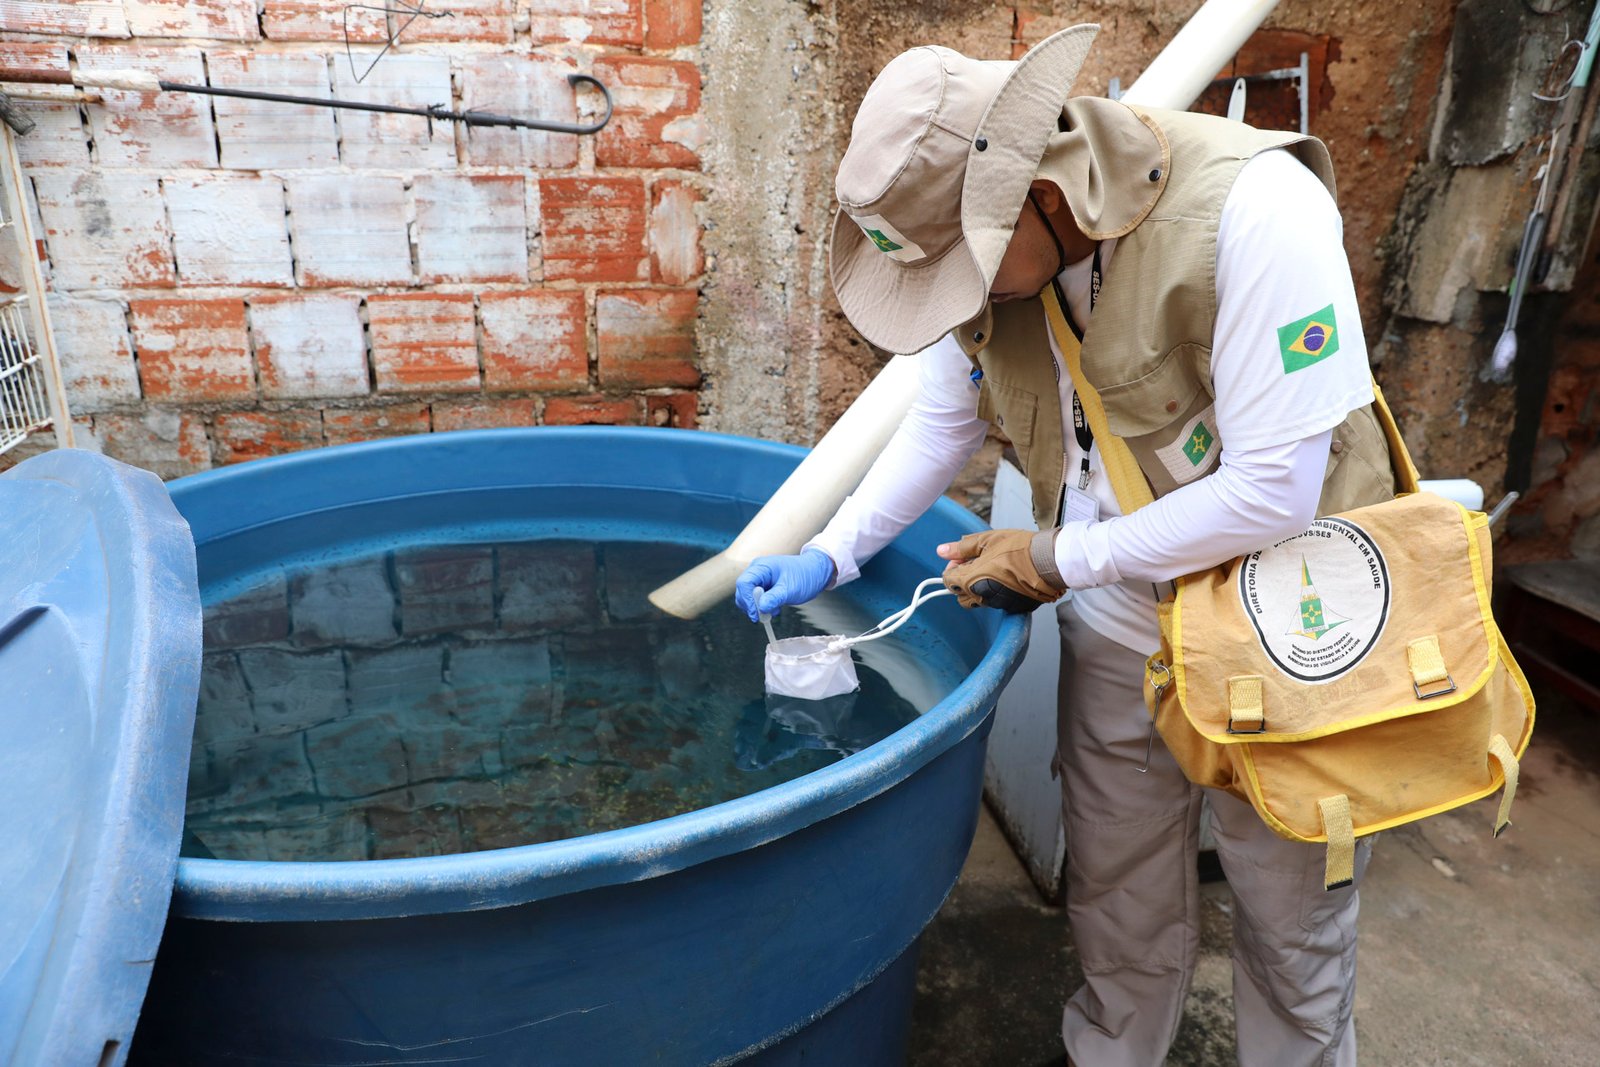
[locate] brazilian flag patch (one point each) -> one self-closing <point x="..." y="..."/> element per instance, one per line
<point x="1308" y="340"/>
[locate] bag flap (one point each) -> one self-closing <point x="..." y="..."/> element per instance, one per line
<point x="1374" y="614"/>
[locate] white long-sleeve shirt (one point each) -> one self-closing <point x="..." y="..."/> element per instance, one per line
<point x="1280" y="259"/>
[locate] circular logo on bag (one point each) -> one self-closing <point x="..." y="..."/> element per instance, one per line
<point x="1318" y="601"/>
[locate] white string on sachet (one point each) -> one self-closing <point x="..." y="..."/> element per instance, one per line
<point x="819" y="667"/>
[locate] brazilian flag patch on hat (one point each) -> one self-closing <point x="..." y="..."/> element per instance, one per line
<point x="1308" y="340"/>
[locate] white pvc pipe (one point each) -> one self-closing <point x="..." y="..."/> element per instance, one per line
<point x="1197" y="54"/>
<point x="807" y="499"/>
<point x="805" y="502"/>
<point x="1464" y="491"/>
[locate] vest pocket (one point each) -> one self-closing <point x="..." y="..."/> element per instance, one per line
<point x="1155" y="400"/>
<point x="1358" y="472"/>
<point x="1184" y="450"/>
<point x="1012" y="411"/>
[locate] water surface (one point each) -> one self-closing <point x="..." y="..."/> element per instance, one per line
<point x="427" y="701"/>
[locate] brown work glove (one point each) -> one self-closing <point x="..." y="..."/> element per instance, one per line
<point x="1013" y="570"/>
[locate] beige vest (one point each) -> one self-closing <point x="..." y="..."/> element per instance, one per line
<point x="1147" y="348"/>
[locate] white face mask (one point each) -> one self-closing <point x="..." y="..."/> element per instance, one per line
<point x="819" y="667"/>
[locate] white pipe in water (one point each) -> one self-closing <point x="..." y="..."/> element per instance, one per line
<point x="807" y="499"/>
<point x="805" y="502"/>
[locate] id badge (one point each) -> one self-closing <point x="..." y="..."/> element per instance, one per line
<point x="1080" y="506"/>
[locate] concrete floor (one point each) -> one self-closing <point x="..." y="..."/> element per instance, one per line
<point x="1474" y="951"/>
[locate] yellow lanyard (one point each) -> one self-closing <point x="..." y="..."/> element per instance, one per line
<point x="1127" y="480"/>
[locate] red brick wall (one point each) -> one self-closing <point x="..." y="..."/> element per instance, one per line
<point x="234" y="279"/>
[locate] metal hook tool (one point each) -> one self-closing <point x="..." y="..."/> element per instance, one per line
<point x="434" y="111"/>
<point x="142" y="81"/>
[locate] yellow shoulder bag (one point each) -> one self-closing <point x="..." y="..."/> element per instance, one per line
<point x="1343" y="681"/>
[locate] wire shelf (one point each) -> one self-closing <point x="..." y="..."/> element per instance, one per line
<point x="23" y="404"/>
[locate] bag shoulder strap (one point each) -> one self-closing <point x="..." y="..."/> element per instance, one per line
<point x="1405" y="472"/>
<point x="1127" y="480"/>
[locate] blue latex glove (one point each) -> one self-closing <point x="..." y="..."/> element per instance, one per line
<point x="773" y="582"/>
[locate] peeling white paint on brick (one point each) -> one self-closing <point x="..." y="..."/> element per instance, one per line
<point x="169" y="443"/>
<point x="594" y="229"/>
<point x="95" y="350"/>
<point x="74" y="18"/>
<point x="310" y="346"/>
<point x="229" y="230"/>
<point x="534" y="340"/>
<point x="370" y="139"/>
<point x="650" y="93"/>
<point x="257" y="134"/>
<point x="321" y="20"/>
<point x="675" y="235"/>
<point x="647" y="97"/>
<point x="150" y="129"/>
<point x="104" y="230"/>
<point x="571" y="27"/>
<point x="586" y="21"/>
<point x="471" y="228"/>
<point x="424" y="342"/>
<point x="57" y="140"/>
<point x="192" y="350"/>
<point x="488" y="21"/>
<point x="230" y="20"/>
<point x="349" y="230"/>
<point x="689" y="131"/>
<point x="523" y="86"/>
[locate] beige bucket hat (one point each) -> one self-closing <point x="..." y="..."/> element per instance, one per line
<point x="941" y="155"/>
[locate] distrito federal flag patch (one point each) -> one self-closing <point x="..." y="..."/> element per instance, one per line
<point x="1309" y="340"/>
<point x="1194" y="451"/>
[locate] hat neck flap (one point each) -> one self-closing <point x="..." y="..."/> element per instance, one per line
<point x="1110" y="164"/>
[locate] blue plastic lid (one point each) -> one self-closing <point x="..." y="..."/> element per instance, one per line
<point x="99" y="671"/>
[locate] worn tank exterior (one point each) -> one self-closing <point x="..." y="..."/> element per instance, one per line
<point x="776" y="928"/>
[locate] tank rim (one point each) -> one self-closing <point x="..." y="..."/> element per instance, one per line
<point x="283" y="891"/>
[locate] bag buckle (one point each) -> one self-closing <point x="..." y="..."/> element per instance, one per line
<point x="1426" y="663"/>
<point x="1247" y="704"/>
<point x="1449" y="686"/>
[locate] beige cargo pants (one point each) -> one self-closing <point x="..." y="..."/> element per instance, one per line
<point x="1132" y="895"/>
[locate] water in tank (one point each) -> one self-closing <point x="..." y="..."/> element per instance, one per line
<point x="436" y="699"/>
